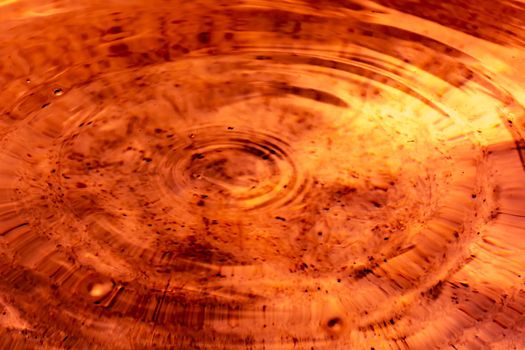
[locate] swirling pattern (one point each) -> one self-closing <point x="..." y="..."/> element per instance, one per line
<point x="329" y="174"/>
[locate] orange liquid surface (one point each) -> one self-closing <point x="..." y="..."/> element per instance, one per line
<point x="262" y="174"/>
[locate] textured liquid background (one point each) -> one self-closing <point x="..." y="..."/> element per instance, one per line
<point x="256" y="174"/>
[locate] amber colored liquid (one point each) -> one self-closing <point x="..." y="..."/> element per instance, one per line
<point x="262" y="174"/>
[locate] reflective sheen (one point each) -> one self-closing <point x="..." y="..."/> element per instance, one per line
<point x="262" y="174"/>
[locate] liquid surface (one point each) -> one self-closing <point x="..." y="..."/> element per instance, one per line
<point x="257" y="174"/>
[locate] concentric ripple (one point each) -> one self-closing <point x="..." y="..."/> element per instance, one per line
<point x="262" y="174"/>
<point x="226" y="169"/>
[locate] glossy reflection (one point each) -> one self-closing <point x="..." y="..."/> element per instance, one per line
<point x="262" y="174"/>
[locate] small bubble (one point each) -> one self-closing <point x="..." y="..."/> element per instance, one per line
<point x="100" y="289"/>
<point x="58" y="92"/>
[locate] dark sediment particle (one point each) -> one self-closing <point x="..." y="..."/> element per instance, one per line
<point x="435" y="291"/>
<point x="361" y="273"/>
<point x="334" y="322"/>
<point x="114" y="30"/>
<point x="119" y="50"/>
<point x="204" y="37"/>
<point x="197" y="156"/>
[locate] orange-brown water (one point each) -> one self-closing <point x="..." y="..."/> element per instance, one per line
<point x="262" y="174"/>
